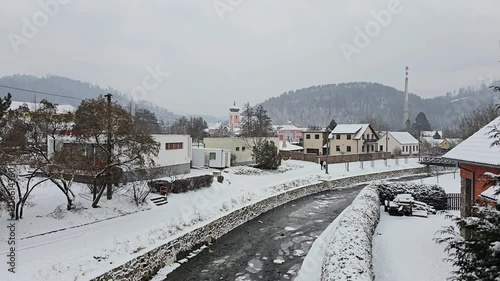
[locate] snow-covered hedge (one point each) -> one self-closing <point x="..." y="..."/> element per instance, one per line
<point x="430" y="194"/>
<point x="349" y="252"/>
<point x="192" y="183"/>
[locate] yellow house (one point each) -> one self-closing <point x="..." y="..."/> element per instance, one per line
<point x="314" y="141"/>
<point x="353" y="139"/>
<point x="449" y="143"/>
<point x="241" y="148"/>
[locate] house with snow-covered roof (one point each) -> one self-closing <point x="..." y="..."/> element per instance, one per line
<point x="398" y="142"/>
<point x="288" y="132"/>
<point x="477" y="160"/>
<point x="315" y="141"/>
<point x="353" y="139"/>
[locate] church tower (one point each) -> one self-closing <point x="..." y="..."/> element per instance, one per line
<point x="234" y="118"/>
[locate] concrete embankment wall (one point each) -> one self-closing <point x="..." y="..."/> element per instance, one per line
<point x="144" y="267"/>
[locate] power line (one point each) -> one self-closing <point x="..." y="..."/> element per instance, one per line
<point x="63" y="96"/>
<point x="39" y="92"/>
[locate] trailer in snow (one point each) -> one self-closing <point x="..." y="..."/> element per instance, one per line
<point x="211" y="157"/>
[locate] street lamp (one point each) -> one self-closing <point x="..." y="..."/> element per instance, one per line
<point x="330" y="137"/>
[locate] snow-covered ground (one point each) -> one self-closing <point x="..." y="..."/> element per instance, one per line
<point x="450" y="182"/>
<point x="404" y="249"/>
<point x="101" y="239"/>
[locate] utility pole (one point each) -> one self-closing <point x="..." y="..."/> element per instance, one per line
<point x="327" y="149"/>
<point x="109" y="189"/>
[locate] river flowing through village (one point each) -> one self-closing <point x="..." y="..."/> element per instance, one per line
<point x="273" y="245"/>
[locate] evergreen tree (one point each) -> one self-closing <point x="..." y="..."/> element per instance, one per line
<point x="436" y="136"/>
<point x="407" y="127"/>
<point x="5" y="104"/>
<point x="266" y="155"/>
<point x="247" y="124"/>
<point x="255" y="122"/>
<point x="147" y="120"/>
<point x="262" y="124"/>
<point x="421" y="122"/>
<point x="196" y="128"/>
<point x="332" y="125"/>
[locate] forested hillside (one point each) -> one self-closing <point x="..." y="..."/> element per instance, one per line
<point x="353" y="102"/>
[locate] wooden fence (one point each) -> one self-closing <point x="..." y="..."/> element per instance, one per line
<point x="334" y="158"/>
<point x="453" y="201"/>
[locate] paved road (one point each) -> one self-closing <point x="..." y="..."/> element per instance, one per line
<point x="271" y="246"/>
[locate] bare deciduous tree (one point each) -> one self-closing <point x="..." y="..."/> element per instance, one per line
<point x="131" y="147"/>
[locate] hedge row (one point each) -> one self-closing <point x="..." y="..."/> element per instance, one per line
<point x="190" y="184"/>
<point x="431" y="194"/>
<point x="349" y="252"/>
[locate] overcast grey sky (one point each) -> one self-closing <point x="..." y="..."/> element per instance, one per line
<point x="222" y="51"/>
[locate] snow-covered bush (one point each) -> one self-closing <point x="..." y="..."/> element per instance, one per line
<point x="190" y="184"/>
<point x="249" y="171"/>
<point x="431" y="194"/>
<point x="349" y="253"/>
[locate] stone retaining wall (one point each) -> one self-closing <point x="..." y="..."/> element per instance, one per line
<point x="147" y="265"/>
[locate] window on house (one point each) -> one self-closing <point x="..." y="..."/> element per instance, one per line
<point x="173" y="145"/>
<point x="308" y="136"/>
<point x="212" y="156"/>
<point x="348" y="137"/>
<point x="243" y="148"/>
<point x="337" y="148"/>
<point x="373" y="148"/>
<point x="348" y="148"/>
<point x="338" y="137"/>
<point x="237" y="148"/>
<point x="363" y="136"/>
<point x="363" y="148"/>
<point x="381" y="148"/>
<point x="316" y="136"/>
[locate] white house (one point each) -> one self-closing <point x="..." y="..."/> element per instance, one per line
<point x="211" y="157"/>
<point x="403" y="141"/>
<point x="353" y="139"/>
<point x="175" y="152"/>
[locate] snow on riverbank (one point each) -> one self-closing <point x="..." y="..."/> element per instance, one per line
<point x="403" y="249"/>
<point x="84" y="252"/>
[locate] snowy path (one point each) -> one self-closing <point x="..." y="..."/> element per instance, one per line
<point x="403" y="249"/>
<point x="70" y="254"/>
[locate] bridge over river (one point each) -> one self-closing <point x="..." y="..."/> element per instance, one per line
<point x="437" y="161"/>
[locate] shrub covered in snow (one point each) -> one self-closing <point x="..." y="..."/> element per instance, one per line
<point x="431" y="194"/>
<point x="249" y="171"/>
<point x="349" y="253"/>
<point x="193" y="183"/>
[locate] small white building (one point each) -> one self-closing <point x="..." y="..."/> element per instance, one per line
<point x="404" y="141"/>
<point x="175" y="152"/>
<point x="174" y="155"/>
<point x="211" y="157"/>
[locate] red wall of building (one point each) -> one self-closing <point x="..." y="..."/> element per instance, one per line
<point x="479" y="178"/>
